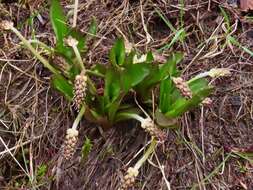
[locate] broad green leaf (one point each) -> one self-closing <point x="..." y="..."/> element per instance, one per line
<point x="176" y="109"/>
<point x="152" y="79"/>
<point x="133" y="75"/>
<point x="164" y="121"/>
<point x="198" y="85"/>
<point x="113" y="108"/>
<point x="159" y="73"/>
<point x="59" y="23"/>
<point x="165" y="98"/>
<point x="99" y="68"/>
<point x="182" y="104"/>
<point x="117" y="53"/>
<point x="112" y="86"/>
<point x="62" y="85"/>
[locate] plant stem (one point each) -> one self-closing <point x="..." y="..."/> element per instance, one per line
<point x="79" y="59"/>
<point x="43" y="45"/>
<point x="132" y="116"/>
<point x="95" y="73"/>
<point x="201" y="75"/>
<point x="146" y="155"/>
<point x="35" y="53"/>
<point x="79" y="117"/>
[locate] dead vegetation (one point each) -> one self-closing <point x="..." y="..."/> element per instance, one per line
<point x="212" y="149"/>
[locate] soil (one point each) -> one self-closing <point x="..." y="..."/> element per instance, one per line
<point x="213" y="147"/>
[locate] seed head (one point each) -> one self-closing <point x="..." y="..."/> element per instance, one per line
<point x="149" y="126"/>
<point x="70" y="143"/>
<point x="70" y="41"/>
<point x="61" y="63"/>
<point x="219" y="72"/>
<point x="129" y="178"/>
<point x="182" y="86"/>
<point x="6" y="25"/>
<point x="79" y="90"/>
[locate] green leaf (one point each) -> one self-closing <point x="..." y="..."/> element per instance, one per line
<point x="58" y="21"/>
<point x="149" y="57"/>
<point x="198" y="84"/>
<point x="180" y="35"/>
<point x="164" y="121"/>
<point x="179" y="107"/>
<point x="86" y="148"/>
<point x="112" y="86"/>
<point x="170" y="67"/>
<point x="165" y="98"/>
<point x="73" y="71"/>
<point x="62" y="85"/>
<point x="133" y="75"/>
<point x="99" y="68"/>
<point x="41" y="171"/>
<point x="159" y="73"/>
<point x="92" y="28"/>
<point x="117" y="53"/>
<point x="113" y="108"/>
<point x="152" y="79"/>
<point x="182" y="104"/>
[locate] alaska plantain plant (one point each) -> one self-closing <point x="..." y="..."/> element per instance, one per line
<point x="123" y="80"/>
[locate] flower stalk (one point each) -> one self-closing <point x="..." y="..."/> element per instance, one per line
<point x="132" y="172"/>
<point x="9" y="26"/>
<point x="72" y="42"/>
<point x="148" y="125"/>
<point x="215" y="72"/>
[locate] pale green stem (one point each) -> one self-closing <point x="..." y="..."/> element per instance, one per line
<point x="146" y="155"/>
<point x="79" y="117"/>
<point x="75" y="13"/>
<point x="201" y="75"/>
<point x="133" y="116"/>
<point x="35" y="53"/>
<point x="43" y="45"/>
<point x="78" y="56"/>
<point x="95" y="73"/>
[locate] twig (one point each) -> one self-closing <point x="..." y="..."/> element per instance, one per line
<point x="75" y="13"/>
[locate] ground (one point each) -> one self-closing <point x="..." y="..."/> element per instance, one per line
<point x="211" y="150"/>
